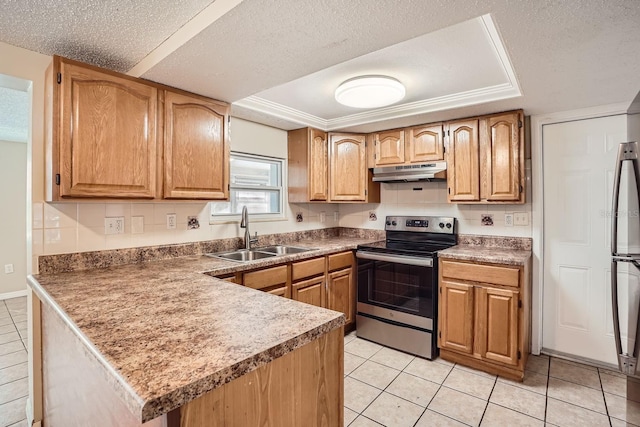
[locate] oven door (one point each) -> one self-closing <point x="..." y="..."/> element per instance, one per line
<point x="397" y="288"/>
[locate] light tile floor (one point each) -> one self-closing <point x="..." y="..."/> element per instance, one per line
<point x="390" y="388"/>
<point x="14" y="380"/>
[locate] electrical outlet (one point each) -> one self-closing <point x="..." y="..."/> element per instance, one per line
<point x="323" y="217"/>
<point x="299" y="217"/>
<point x="373" y="216"/>
<point x="114" y="225"/>
<point x="508" y="219"/>
<point x="486" y="220"/>
<point x="171" y="221"/>
<point x="8" y="268"/>
<point x="521" y="218"/>
<point x="137" y="224"/>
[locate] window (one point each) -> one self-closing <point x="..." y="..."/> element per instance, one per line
<point x="255" y="182"/>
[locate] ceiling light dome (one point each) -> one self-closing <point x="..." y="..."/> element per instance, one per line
<point x="370" y="92"/>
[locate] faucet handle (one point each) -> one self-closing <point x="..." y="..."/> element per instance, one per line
<point x="254" y="239"/>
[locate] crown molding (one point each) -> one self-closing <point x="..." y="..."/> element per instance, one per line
<point x="509" y="89"/>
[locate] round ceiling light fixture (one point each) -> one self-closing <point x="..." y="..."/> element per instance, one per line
<point x="370" y="92"/>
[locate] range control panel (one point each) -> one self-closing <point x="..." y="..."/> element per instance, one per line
<point x="430" y="224"/>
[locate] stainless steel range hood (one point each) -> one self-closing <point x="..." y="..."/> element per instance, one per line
<point x="436" y="171"/>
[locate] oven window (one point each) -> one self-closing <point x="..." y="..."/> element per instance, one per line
<point x="400" y="287"/>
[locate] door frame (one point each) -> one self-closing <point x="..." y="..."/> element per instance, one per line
<point x="537" y="210"/>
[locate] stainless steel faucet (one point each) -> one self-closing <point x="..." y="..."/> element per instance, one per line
<point x="244" y="223"/>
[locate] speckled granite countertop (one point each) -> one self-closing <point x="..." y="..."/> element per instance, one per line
<point x="510" y="253"/>
<point x="165" y="333"/>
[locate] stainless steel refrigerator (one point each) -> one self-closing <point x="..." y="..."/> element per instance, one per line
<point x="625" y="264"/>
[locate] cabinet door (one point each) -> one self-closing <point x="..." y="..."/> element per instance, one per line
<point x="497" y="324"/>
<point x="463" y="176"/>
<point x="389" y="148"/>
<point x="318" y="166"/>
<point x="347" y="179"/>
<point x="196" y="152"/>
<point x="341" y="293"/>
<point x="502" y="158"/>
<point x="456" y="316"/>
<point x="309" y="291"/>
<point x="106" y="133"/>
<point x="424" y="143"/>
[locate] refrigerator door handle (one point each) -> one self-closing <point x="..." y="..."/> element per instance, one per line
<point x="627" y="151"/>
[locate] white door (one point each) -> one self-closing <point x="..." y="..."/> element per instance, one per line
<point x="579" y="159"/>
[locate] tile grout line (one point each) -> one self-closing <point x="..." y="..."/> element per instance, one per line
<point x="604" y="398"/>
<point x="495" y="381"/>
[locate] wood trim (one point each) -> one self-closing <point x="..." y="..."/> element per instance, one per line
<point x="35" y="355"/>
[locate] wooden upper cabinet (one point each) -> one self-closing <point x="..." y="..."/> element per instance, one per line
<point x="424" y="143"/>
<point x="114" y="136"/>
<point x="196" y="151"/>
<point x="319" y="166"/>
<point x="308" y="164"/>
<point x="485" y="159"/>
<point x="502" y="157"/>
<point x="102" y="131"/>
<point x="348" y="168"/>
<point x="389" y="148"/>
<point x="463" y="177"/>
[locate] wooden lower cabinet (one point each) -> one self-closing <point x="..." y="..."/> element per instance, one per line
<point x="301" y="388"/>
<point x="456" y="316"/>
<point x="309" y="291"/>
<point x="484" y="316"/>
<point x="327" y="282"/>
<point x="341" y="293"/>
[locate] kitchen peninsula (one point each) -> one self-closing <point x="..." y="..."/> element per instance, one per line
<point x="161" y="343"/>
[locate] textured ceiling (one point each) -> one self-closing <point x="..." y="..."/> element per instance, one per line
<point x="566" y="54"/>
<point x="109" y="33"/>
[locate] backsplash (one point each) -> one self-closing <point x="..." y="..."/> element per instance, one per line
<point x="430" y="198"/>
<point x="79" y="227"/>
<point x="59" y="263"/>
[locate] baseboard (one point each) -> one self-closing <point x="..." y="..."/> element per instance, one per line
<point x="16" y="294"/>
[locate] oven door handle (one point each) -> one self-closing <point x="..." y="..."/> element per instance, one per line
<point x="400" y="259"/>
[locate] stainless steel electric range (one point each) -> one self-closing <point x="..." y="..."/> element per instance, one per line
<point x="398" y="283"/>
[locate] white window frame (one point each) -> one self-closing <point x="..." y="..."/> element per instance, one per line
<point x="275" y="216"/>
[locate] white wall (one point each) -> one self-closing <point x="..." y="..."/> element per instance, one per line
<point x="431" y="200"/>
<point x="13" y="216"/>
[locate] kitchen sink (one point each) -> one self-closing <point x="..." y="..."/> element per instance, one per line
<point x="242" y="255"/>
<point x="283" y="250"/>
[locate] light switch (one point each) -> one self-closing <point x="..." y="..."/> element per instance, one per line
<point x="521" y="218"/>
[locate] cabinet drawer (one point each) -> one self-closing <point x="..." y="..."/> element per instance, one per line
<point x="507" y="276"/>
<point x="342" y="260"/>
<point x="309" y="268"/>
<point x="266" y="278"/>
